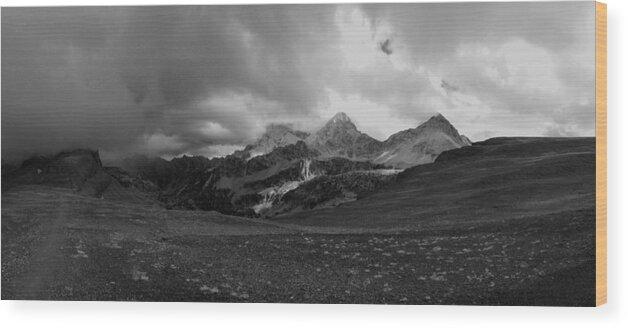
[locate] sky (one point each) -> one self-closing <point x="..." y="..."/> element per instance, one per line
<point x="206" y="80"/>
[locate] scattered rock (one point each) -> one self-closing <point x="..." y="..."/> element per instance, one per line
<point x="212" y="290"/>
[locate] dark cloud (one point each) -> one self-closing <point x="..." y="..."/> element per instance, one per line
<point x="205" y="79"/>
<point x="132" y="72"/>
<point x="448" y="86"/>
<point x="386" y="47"/>
<point x="434" y="29"/>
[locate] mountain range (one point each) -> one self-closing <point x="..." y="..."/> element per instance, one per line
<point x="340" y="137"/>
<point x="285" y="170"/>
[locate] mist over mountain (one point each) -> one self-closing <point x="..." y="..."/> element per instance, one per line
<point x="276" y="135"/>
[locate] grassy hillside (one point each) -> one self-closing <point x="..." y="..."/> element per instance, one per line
<point x="497" y="180"/>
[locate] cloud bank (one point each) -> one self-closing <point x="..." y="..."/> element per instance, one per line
<point x="207" y="79"/>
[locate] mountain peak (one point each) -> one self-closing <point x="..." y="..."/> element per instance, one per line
<point x="437" y="121"/>
<point x="340" y="117"/>
<point x="75" y="157"/>
<point x="341" y="138"/>
<point x="339" y="122"/>
<point x="438" y="117"/>
<point x="440" y="123"/>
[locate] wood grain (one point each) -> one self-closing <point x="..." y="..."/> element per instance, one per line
<point x="600" y="143"/>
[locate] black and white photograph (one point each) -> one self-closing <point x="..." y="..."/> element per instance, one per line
<point x="377" y="153"/>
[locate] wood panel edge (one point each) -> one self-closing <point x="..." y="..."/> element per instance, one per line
<point x="600" y="158"/>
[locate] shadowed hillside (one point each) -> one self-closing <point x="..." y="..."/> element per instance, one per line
<point x="499" y="179"/>
<point x="81" y="171"/>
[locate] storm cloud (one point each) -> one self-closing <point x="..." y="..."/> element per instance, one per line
<point x="207" y="79"/>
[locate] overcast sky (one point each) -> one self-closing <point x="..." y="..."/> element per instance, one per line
<point x="207" y="80"/>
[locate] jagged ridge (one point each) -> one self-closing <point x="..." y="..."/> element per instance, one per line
<point x="340" y="137"/>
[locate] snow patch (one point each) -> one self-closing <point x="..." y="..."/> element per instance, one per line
<point x="275" y="193"/>
<point x="385" y="157"/>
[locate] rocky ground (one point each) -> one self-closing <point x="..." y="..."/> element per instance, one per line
<point x="58" y="245"/>
<point x="509" y="221"/>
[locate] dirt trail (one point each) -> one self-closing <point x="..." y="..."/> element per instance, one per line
<point x="44" y="259"/>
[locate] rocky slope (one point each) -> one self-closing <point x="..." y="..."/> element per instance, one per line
<point x="237" y="184"/>
<point x="340" y="137"/>
<point x="422" y="144"/>
<point x="330" y="190"/>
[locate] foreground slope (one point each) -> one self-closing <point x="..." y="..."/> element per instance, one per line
<point x="508" y="221"/>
